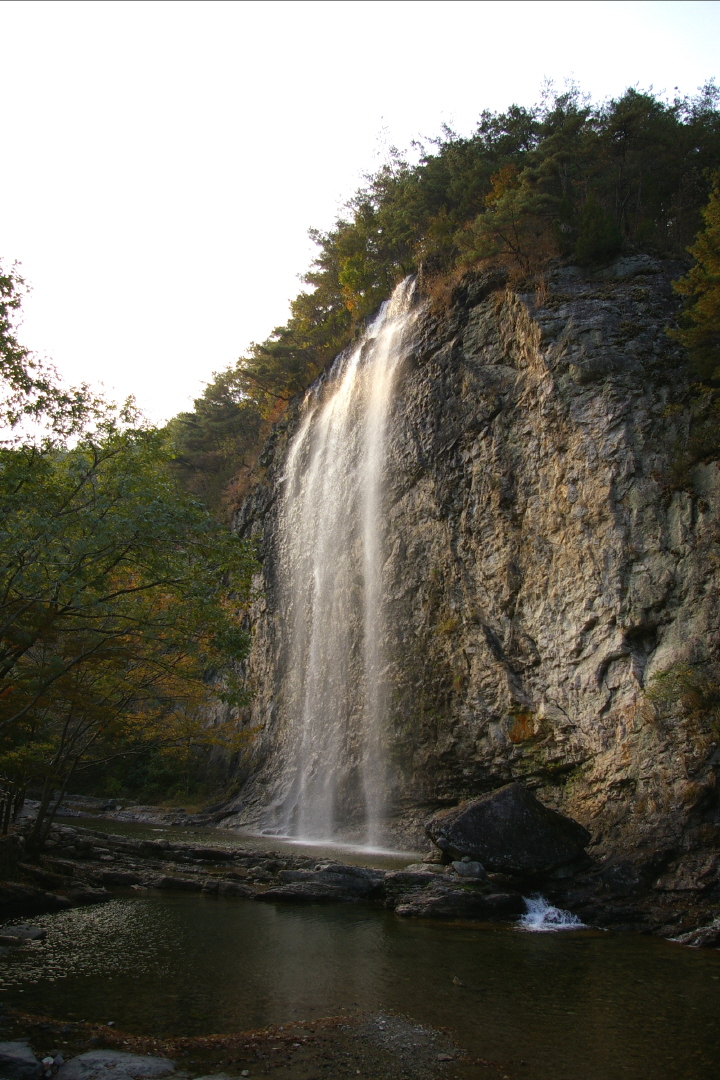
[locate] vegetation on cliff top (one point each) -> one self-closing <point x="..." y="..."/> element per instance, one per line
<point x="566" y="179"/>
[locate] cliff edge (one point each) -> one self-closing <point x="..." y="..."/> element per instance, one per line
<point x="540" y="568"/>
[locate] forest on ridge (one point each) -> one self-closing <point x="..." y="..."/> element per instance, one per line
<point x="566" y="179"/>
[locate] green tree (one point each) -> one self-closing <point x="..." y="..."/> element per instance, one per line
<point x="700" y="327"/>
<point x="599" y="237"/>
<point x="121" y="597"/>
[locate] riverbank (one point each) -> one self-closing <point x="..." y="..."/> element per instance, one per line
<point x="378" y="1046"/>
<point x="81" y="865"/>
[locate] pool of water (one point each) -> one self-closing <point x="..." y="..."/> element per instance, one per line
<point x="573" y="1004"/>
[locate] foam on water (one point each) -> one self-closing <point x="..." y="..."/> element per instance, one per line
<point x="543" y="917"/>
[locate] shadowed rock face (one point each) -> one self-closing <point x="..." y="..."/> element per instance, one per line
<point x="539" y="570"/>
<point x="509" y="831"/>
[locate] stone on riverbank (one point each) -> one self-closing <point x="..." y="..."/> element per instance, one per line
<point x="169" y="881"/>
<point x="229" y="888"/>
<point x="307" y="892"/>
<point x="705" y="937"/>
<point x="440" y="902"/>
<point x="117" y="877"/>
<point x="357" y="882"/>
<point x="20" y="933"/>
<point x="17" y="1062"/>
<point x="114" y="1065"/>
<point x="508" y="831"/>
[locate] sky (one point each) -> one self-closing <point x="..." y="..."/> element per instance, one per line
<point x="163" y="161"/>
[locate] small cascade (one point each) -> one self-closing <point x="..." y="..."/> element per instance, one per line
<point x="331" y="551"/>
<point x="543" y="917"/>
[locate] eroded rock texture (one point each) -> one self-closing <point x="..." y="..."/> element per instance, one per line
<point x="539" y="569"/>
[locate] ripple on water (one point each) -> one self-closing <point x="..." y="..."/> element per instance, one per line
<point x="109" y="939"/>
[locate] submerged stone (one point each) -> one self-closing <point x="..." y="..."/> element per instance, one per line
<point x="509" y="831"/>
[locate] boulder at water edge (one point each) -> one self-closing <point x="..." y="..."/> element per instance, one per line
<point x="508" y="831"/>
<point x="115" y="1065"/>
<point x="17" y="1062"/>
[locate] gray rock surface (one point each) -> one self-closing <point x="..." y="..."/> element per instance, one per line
<point x="304" y="892"/>
<point x="540" y="569"/>
<point x="17" y="1062"/>
<point x="354" y="881"/>
<point x="707" y="937"/>
<point x="439" y="902"/>
<point x="509" y="831"/>
<point x="114" y="1065"/>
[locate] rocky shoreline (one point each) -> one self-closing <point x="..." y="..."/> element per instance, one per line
<point x="380" y="1046"/>
<point x="672" y="898"/>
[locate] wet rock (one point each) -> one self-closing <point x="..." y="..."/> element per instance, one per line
<point x="154" y="848"/>
<point x="234" y="888"/>
<point x="170" y="881"/>
<point x="445" y="903"/>
<point x="355" y="881"/>
<point x="114" y="1065"/>
<point x="508" y="830"/>
<point x="304" y="892"/>
<point x="697" y="872"/>
<point x="86" y="895"/>
<point x="28" y="898"/>
<point x="400" y="883"/>
<point x="117" y="877"/>
<point x="22" y="933"/>
<point x="17" y="1062"/>
<point x="211" y="854"/>
<point x="46" y="879"/>
<point x="707" y="937"/>
<point x="473" y="871"/>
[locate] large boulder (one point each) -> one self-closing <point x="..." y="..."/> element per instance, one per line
<point x="508" y="831"/>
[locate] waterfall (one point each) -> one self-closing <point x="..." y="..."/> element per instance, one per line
<point x="333" y="699"/>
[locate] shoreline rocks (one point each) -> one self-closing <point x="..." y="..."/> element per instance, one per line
<point x="660" y="892"/>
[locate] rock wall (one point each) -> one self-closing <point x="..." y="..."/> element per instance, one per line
<point x="539" y="569"/>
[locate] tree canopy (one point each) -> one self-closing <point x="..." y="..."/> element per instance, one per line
<point x="565" y="179"/>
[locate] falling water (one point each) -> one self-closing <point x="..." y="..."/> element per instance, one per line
<point x="330" y="569"/>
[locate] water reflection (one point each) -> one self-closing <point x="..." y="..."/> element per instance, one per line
<point x="582" y="1003"/>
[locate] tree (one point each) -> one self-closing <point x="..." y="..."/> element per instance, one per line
<point x="30" y="388"/>
<point x="700" y="327"/>
<point x="121" y="597"/>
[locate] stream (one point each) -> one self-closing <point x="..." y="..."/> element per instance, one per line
<point x="549" y="1006"/>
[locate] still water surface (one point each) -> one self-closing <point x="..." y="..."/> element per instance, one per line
<point x="579" y="1004"/>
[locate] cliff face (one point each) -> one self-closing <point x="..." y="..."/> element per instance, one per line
<point x="539" y="569"/>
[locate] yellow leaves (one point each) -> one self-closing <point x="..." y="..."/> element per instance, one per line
<point x="506" y="179"/>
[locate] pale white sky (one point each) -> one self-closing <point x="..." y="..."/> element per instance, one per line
<point x="163" y="161"/>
